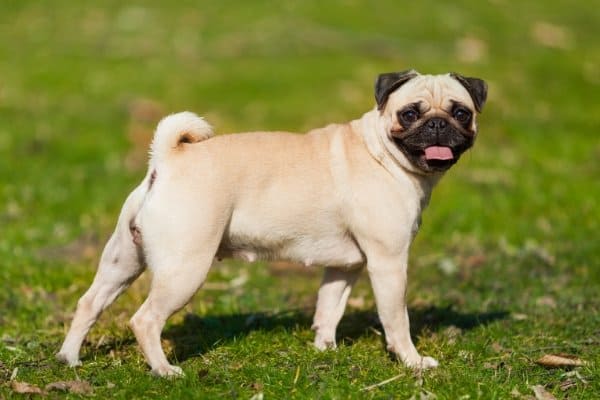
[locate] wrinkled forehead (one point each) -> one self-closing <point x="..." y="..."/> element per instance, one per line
<point x="433" y="91"/>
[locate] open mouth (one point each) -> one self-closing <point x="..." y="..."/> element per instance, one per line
<point x="431" y="158"/>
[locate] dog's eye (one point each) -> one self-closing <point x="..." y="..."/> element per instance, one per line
<point x="409" y="116"/>
<point x="462" y="115"/>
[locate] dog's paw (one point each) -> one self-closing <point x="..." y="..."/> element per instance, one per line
<point x="429" y="362"/>
<point x="70" y="360"/>
<point x="422" y="363"/>
<point x="168" y="371"/>
<point x="324" y="343"/>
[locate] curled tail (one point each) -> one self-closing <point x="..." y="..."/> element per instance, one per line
<point x="174" y="131"/>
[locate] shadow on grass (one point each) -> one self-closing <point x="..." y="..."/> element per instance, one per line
<point x="197" y="335"/>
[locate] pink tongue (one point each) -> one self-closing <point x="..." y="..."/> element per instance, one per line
<point x="438" y="153"/>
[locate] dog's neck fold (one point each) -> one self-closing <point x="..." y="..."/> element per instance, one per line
<point x="372" y="130"/>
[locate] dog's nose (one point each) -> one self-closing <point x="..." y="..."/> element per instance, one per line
<point x="436" y="124"/>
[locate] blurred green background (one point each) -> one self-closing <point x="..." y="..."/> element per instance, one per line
<point x="513" y="228"/>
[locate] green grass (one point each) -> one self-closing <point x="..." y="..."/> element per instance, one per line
<point x="505" y="269"/>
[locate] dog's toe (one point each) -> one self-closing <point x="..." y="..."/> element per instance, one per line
<point x="168" y="371"/>
<point x="422" y="363"/>
<point x="71" y="361"/>
<point x="429" y="362"/>
<point x="323" y="343"/>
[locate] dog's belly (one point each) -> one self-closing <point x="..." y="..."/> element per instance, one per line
<point x="330" y="250"/>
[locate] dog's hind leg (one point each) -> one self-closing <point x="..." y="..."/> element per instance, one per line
<point x="333" y="296"/>
<point x="179" y="250"/>
<point x="121" y="263"/>
<point x="177" y="275"/>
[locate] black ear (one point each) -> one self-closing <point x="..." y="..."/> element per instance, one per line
<point x="476" y="87"/>
<point x="387" y="83"/>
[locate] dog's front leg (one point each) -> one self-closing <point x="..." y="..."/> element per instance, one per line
<point x="388" y="279"/>
<point x="331" y="303"/>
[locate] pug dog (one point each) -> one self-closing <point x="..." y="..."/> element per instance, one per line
<point x="343" y="197"/>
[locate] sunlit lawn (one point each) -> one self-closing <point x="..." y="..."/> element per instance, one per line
<point x="504" y="270"/>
